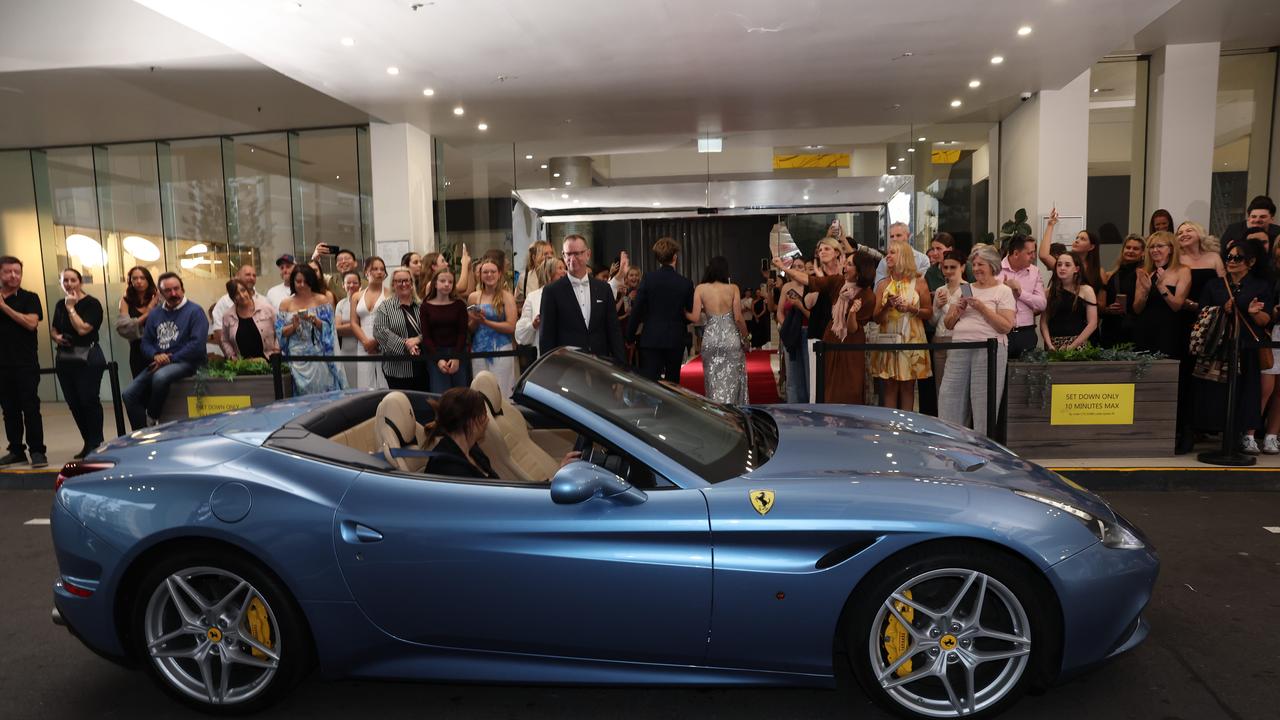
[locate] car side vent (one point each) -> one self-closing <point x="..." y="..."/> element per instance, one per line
<point x="844" y="552"/>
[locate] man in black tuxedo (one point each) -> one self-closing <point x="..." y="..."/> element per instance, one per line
<point x="661" y="302"/>
<point x="578" y="310"/>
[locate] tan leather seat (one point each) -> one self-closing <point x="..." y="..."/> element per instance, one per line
<point x="514" y="455"/>
<point x="396" y="427"/>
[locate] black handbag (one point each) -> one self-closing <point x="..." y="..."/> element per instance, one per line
<point x="73" y="354"/>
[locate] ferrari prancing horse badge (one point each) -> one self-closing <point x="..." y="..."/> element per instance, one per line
<point x="761" y="500"/>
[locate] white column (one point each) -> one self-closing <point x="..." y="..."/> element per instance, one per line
<point x="1044" y="155"/>
<point x="1183" y="102"/>
<point x="402" y="190"/>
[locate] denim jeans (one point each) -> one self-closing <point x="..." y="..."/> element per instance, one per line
<point x="147" y="393"/>
<point x="438" y="381"/>
<point x="798" y="371"/>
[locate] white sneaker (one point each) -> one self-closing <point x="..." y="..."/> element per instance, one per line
<point x="1271" y="445"/>
<point x="1249" y="445"/>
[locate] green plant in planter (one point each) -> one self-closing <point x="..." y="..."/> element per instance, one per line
<point x="1017" y="226"/>
<point x="1040" y="379"/>
<point x="222" y="369"/>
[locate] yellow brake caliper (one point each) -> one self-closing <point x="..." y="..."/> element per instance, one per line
<point x="259" y="626"/>
<point x="896" y="637"/>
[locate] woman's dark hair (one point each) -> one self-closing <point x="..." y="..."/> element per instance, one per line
<point x="1151" y="224"/>
<point x="1056" y="249"/>
<point x="309" y="275"/>
<point x="456" y="409"/>
<point x="369" y="261"/>
<point x="864" y="265"/>
<point x="233" y="288"/>
<point x="955" y="255"/>
<point x="431" y="283"/>
<point x="1091" y="270"/>
<point x="404" y="259"/>
<point x="717" y="270"/>
<point x="351" y="272"/>
<point x="324" y="281"/>
<point x="131" y="295"/>
<point x="1055" y="284"/>
<point x="73" y="270"/>
<point x="945" y="239"/>
<point x="1250" y="249"/>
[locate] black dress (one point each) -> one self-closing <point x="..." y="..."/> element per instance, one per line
<point x="1211" y="397"/>
<point x="1114" y="330"/>
<point x="1156" y="328"/>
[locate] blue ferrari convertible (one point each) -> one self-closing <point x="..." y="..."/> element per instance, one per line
<point x="692" y="543"/>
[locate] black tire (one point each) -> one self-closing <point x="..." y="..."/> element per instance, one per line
<point x="1014" y="604"/>
<point x="211" y="573"/>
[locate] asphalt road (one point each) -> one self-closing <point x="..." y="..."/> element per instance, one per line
<point x="1214" y="649"/>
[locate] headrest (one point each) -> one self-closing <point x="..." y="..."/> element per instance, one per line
<point x="395" y="415"/>
<point x="487" y="385"/>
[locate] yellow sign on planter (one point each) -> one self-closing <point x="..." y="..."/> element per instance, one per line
<point x="1110" y="404"/>
<point x="214" y="404"/>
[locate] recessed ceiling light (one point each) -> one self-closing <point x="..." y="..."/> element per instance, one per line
<point x="428" y="92"/>
<point x="1024" y="31"/>
<point x="806" y="197"/>
<point x="921" y="138"/>
<point x="347" y="42"/>
<point x="956" y="103"/>
<point x="902" y="159"/>
<point x="975" y="83"/>
<point x="459" y="111"/>
<point x="543" y="166"/>
<point x="575" y="201"/>
<point x="393" y="70"/>
<point x="567" y="183"/>
<point x="564" y="196"/>
<point x="528" y="157"/>
<point x="893" y="167"/>
<point x="1096" y="89"/>
<point x="555" y="174"/>
<point x="482" y="127"/>
<point x="911" y="149"/>
<point x="880" y="189"/>
<point x="657" y="204"/>
<point x="997" y="59"/>
<point x="337" y="177"/>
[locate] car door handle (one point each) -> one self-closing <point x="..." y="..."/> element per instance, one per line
<point x="355" y="533"/>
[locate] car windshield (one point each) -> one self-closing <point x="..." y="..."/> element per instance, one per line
<point x="715" y="441"/>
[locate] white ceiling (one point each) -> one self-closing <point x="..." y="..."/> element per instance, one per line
<point x="554" y="69"/>
<point x="1237" y="24"/>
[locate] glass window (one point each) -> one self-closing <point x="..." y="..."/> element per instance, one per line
<point x="326" y="174"/>
<point x="263" y="209"/>
<point x="1242" y="135"/>
<point x="195" y="212"/>
<point x="1117" y="152"/>
<point x="476" y="198"/>
<point x="20" y="237"/>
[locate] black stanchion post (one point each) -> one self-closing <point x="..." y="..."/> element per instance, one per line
<point x="820" y="378"/>
<point x="117" y="404"/>
<point x="1230" y="454"/>
<point x="993" y="353"/>
<point x="276" y="378"/>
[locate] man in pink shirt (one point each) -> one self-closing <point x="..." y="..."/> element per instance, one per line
<point x="1023" y="278"/>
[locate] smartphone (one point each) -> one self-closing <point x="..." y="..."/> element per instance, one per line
<point x="765" y="264"/>
<point x="331" y="249"/>
<point x="793" y="294"/>
<point x="1122" y="300"/>
<point x="474" y="308"/>
<point x="966" y="290"/>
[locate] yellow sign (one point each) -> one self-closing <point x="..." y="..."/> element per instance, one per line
<point x="1110" y="404"/>
<point x="214" y="404"/>
<point x="813" y="160"/>
<point x="946" y="157"/>
<point x="761" y="500"/>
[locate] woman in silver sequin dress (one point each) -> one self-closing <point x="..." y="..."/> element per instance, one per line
<point x="724" y="363"/>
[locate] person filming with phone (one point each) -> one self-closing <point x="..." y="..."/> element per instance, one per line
<point x="985" y="310"/>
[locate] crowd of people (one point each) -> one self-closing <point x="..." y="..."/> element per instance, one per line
<point x="1161" y="294"/>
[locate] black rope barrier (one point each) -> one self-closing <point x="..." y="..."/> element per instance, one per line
<point x="278" y="361"/>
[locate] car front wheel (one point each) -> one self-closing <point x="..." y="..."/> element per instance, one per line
<point x="949" y="632"/>
<point x="219" y="633"/>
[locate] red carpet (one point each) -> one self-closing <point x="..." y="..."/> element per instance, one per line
<point x="762" y="386"/>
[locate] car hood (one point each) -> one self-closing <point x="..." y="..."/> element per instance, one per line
<point x="842" y="441"/>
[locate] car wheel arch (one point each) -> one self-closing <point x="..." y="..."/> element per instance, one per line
<point x="1045" y="675"/>
<point x="127" y="588"/>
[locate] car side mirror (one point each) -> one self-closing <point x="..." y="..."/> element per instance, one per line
<point x="580" y="481"/>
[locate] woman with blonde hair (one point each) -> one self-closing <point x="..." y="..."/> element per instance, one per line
<point x="1159" y="293"/>
<point x="492" y="311"/>
<point x="903" y="305"/>
<point x="539" y="252"/>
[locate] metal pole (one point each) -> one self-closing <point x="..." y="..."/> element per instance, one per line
<point x="820" y="377"/>
<point x="276" y="379"/>
<point x="1229" y="454"/>
<point x="993" y="352"/>
<point x="117" y="405"/>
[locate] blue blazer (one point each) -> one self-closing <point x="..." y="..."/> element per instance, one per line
<point x="663" y="298"/>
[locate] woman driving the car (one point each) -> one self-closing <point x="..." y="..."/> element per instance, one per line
<point x="461" y="419"/>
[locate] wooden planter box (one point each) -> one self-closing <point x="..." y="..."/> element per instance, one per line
<point x="220" y="396"/>
<point x="1092" y="409"/>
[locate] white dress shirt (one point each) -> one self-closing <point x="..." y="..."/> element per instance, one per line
<point x="922" y="266"/>
<point x="582" y="291"/>
<point x="526" y="333"/>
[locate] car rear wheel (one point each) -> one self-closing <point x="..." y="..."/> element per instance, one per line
<point x="218" y="633"/>
<point x="949" y="632"/>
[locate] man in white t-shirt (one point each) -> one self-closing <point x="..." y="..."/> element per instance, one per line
<point x="899" y="232"/>
<point x="277" y="294"/>
<point x="248" y="276"/>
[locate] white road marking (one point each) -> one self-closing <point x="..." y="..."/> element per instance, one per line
<point x="37" y="521"/>
<point x="1271" y="529"/>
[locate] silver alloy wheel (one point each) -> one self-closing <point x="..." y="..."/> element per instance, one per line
<point x="969" y="642"/>
<point x="197" y="632"/>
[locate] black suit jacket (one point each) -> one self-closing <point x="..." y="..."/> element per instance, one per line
<point x="661" y="302"/>
<point x="562" y="321"/>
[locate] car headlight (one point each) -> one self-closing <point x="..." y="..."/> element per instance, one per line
<point x="1111" y="534"/>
